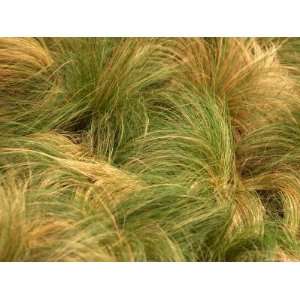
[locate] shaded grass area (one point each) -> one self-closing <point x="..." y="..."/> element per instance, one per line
<point x="149" y="149"/>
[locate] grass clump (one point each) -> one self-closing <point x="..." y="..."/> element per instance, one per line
<point x="149" y="149"/>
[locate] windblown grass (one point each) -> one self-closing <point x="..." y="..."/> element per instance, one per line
<point x="149" y="149"/>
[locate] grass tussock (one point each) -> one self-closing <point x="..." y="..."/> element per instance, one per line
<point x="149" y="149"/>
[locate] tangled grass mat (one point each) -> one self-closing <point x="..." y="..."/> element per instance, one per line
<point x="149" y="149"/>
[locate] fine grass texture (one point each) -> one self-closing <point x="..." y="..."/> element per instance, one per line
<point x="149" y="149"/>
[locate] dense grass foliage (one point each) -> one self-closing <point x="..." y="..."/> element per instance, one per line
<point x="149" y="149"/>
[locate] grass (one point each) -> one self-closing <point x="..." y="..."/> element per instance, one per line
<point x="149" y="149"/>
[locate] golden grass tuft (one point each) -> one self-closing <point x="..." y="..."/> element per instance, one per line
<point x="149" y="149"/>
